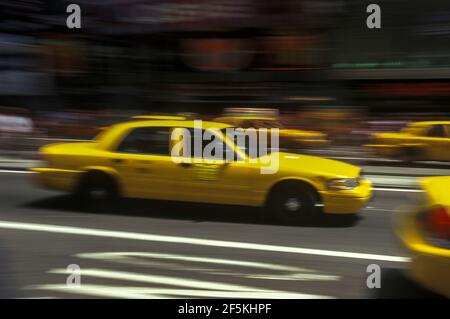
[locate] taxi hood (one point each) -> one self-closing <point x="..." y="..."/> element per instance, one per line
<point x="289" y="162"/>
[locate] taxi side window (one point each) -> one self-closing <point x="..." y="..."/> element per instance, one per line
<point x="225" y="150"/>
<point x="146" y="140"/>
<point x="436" y="131"/>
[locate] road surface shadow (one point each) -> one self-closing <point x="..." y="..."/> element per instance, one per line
<point x="185" y="211"/>
<point x="395" y="284"/>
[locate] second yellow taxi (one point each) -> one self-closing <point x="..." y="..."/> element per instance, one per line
<point x="426" y="141"/>
<point x="289" y="138"/>
<point x="425" y="231"/>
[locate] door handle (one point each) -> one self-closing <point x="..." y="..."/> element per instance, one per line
<point x="185" y="165"/>
<point x="117" y="160"/>
<point x="143" y="170"/>
<point x="144" y="162"/>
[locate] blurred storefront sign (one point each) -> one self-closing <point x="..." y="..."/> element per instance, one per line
<point x="391" y="73"/>
<point x="141" y="16"/>
<point x="66" y="55"/>
<point x="20" y="70"/>
<point x="404" y="89"/>
<point x="179" y="11"/>
<point x="217" y="54"/>
<point x="293" y="50"/>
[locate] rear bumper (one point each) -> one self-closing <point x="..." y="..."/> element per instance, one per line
<point x="347" y="201"/>
<point x="430" y="265"/>
<point x="55" y="179"/>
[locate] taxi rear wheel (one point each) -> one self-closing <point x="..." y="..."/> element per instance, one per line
<point x="98" y="188"/>
<point x="293" y="203"/>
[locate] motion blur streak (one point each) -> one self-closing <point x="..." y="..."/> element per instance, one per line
<point x="194" y="241"/>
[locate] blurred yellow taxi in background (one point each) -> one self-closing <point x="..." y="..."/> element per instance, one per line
<point x="428" y="141"/>
<point x="135" y="159"/>
<point x="158" y="117"/>
<point x="289" y="138"/>
<point x="425" y="231"/>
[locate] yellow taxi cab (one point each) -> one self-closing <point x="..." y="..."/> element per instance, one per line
<point x="429" y="140"/>
<point x="289" y="138"/>
<point x="425" y="231"/>
<point x="134" y="160"/>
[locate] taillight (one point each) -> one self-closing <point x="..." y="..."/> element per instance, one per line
<point x="437" y="223"/>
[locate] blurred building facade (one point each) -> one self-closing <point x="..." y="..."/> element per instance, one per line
<point x="204" y="55"/>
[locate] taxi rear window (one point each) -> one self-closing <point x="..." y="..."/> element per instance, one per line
<point x="146" y="140"/>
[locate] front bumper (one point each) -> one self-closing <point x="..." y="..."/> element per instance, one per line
<point x="430" y="265"/>
<point x="347" y="201"/>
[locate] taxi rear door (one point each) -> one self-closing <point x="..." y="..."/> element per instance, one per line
<point x="213" y="180"/>
<point x="143" y="162"/>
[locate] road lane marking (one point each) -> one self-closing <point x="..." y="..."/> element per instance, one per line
<point x="159" y="293"/>
<point x="194" y="241"/>
<point x="406" y="190"/>
<point x="42" y="297"/>
<point x="135" y="258"/>
<point x="155" y="279"/>
<point x="196" y="287"/>
<point x="8" y="171"/>
<point x="379" y="209"/>
<point x="98" y="291"/>
<point x="142" y="259"/>
<point x="164" y="286"/>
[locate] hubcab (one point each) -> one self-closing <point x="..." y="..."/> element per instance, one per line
<point x="292" y="204"/>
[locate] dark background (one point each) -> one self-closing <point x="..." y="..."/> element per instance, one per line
<point x="204" y="55"/>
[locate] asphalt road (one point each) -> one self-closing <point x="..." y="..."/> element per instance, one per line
<point x="151" y="249"/>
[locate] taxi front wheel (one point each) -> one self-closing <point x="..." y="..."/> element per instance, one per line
<point x="293" y="203"/>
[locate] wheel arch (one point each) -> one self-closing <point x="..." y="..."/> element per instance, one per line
<point x="110" y="173"/>
<point x="292" y="181"/>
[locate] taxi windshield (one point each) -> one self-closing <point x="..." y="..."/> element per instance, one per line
<point x="412" y="130"/>
<point x="242" y="140"/>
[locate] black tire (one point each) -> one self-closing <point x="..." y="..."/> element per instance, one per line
<point x="410" y="154"/>
<point x="98" y="190"/>
<point x="293" y="203"/>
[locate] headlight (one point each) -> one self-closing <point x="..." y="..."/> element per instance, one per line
<point x="342" y="183"/>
